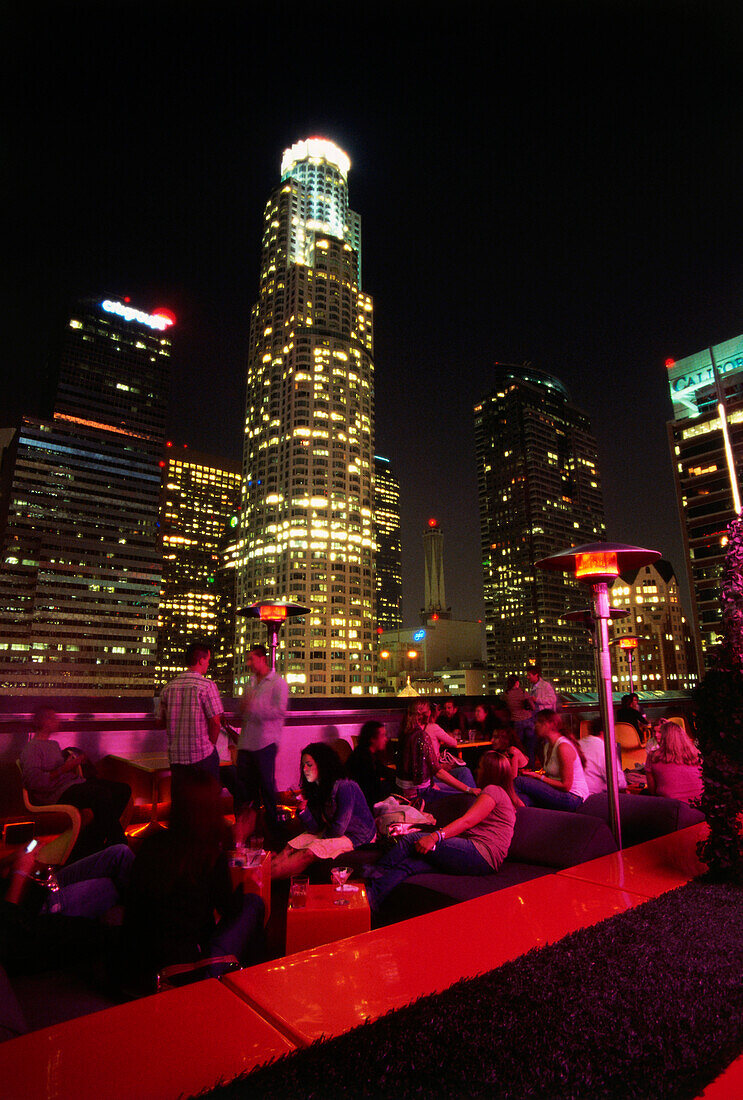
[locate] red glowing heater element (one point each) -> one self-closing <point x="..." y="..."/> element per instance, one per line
<point x="628" y="643"/>
<point x="271" y="613"/>
<point x="596" y="565"/>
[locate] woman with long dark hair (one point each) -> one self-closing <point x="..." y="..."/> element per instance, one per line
<point x="366" y="764"/>
<point x="418" y="763"/>
<point x="333" y="811"/>
<point x="179" y="879"/>
<point x="474" y="844"/>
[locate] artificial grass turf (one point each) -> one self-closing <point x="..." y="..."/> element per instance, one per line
<point x="648" y="1003"/>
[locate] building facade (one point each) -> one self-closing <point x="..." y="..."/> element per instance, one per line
<point x="81" y="556"/>
<point x="706" y="441"/>
<point x="434" y="587"/>
<point x="388" y="572"/>
<point x="539" y="492"/>
<point x="306" y="523"/>
<point x="664" y="659"/>
<point x="200" y="496"/>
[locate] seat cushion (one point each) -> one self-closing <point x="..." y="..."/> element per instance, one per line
<point x="643" y="817"/>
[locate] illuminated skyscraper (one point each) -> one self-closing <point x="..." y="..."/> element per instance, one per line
<point x="200" y="496"/>
<point x="307" y="513"/>
<point x="389" y="547"/>
<point x="539" y="492"/>
<point x="81" y="556"/>
<point x="706" y="440"/>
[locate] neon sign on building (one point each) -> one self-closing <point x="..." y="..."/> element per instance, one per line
<point x="160" y="319"/>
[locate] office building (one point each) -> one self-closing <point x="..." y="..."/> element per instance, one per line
<point x="539" y="492"/>
<point x="434" y="586"/>
<point x="306" y="523"/>
<point x="388" y="573"/>
<point x="664" y="659"/>
<point x="706" y="441"/>
<point x="81" y="557"/>
<point x="200" y="496"/>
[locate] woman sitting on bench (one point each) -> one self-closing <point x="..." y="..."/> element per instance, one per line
<point x="333" y="811"/>
<point x="475" y="844"/>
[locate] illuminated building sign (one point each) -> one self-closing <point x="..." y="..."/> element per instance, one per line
<point x="687" y="376"/>
<point x="419" y="635"/>
<point x="160" y="320"/>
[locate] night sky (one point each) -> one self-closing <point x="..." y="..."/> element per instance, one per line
<point x="558" y="183"/>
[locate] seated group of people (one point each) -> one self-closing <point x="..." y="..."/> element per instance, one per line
<point x="178" y="901"/>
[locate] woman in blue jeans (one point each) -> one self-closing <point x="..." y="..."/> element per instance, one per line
<point x="563" y="785"/>
<point x="474" y="844"/>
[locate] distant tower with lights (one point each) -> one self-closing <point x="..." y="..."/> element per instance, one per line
<point x="200" y="497"/>
<point x="540" y="492"/>
<point x="706" y="441"/>
<point x="81" y="557"/>
<point x="434" y="592"/>
<point x="307" y="532"/>
<point x="389" y="547"/>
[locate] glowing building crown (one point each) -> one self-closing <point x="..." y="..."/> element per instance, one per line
<point x="318" y="148"/>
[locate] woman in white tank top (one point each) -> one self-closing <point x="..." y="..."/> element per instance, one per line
<point x="563" y="785"/>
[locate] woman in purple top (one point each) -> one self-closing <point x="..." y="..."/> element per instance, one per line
<point x="333" y="811"/>
<point x="673" y="770"/>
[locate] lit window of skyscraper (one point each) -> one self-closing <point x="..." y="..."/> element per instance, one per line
<point x="540" y="492"/>
<point x="306" y="529"/>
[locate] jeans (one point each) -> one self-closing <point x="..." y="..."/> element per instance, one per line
<point x="457" y="856"/>
<point x="93" y="885"/>
<point x="462" y="773"/>
<point x="527" y="735"/>
<point x="209" y="764"/>
<point x="256" y="773"/>
<point x="533" y="792"/>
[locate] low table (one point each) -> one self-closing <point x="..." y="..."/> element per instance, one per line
<point x="322" y="921"/>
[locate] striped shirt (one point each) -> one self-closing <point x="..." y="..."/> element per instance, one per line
<point x="187" y="703"/>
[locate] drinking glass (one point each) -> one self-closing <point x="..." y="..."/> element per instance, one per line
<point x="339" y="876"/>
<point x="298" y="891"/>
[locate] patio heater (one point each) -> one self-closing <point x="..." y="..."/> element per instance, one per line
<point x="274" y="614"/>
<point x="598" y="563"/>
<point x="628" y="643"/>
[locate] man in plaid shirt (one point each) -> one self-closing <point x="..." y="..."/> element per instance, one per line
<point x="191" y="711"/>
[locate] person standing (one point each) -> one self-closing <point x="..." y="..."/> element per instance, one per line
<point x="191" y="712"/>
<point x="264" y="708"/>
<point x="541" y="691"/>
<point x="521" y="708"/>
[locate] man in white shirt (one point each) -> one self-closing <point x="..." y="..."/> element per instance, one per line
<point x="264" y="708"/>
<point x="542" y="690"/>
<point x="595" y="765"/>
<point x="191" y="712"/>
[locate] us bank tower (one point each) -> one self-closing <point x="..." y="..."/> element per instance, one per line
<point x="306" y="522"/>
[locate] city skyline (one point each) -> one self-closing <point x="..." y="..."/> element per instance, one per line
<point x="561" y="189"/>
